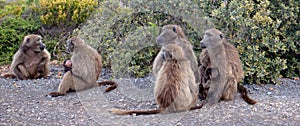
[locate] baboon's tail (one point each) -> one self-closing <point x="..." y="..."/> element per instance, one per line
<point x="244" y="94"/>
<point x="136" y="112"/>
<point x="9" y="75"/>
<point x="56" y="94"/>
<point x="112" y="84"/>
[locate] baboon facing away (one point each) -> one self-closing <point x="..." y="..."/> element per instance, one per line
<point x="220" y="70"/>
<point x="86" y="65"/>
<point x="175" y="87"/>
<point x="173" y="34"/>
<point x="31" y="60"/>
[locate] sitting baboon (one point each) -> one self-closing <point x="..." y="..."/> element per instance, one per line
<point x="220" y="70"/>
<point x="175" y="87"/>
<point x="173" y="34"/>
<point x="31" y="60"/>
<point x="86" y="65"/>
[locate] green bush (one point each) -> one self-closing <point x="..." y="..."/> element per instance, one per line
<point x="12" y="8"/>
<point x="125" y="33"/>
<point x="265" y="32"/>
<point x="64" y="12"/>
<point x="12" y="31"/>
<point x="53" y="19"/>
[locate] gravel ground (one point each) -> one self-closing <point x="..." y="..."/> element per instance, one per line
<point x="26" y="103"/>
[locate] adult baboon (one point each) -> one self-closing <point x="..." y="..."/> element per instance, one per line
<point x="86" y="65"/>
<point x="173" y="34"/>
<point x="220" y="70"/>
<point x="175" y="87"/>
<point x="31" y="60"/>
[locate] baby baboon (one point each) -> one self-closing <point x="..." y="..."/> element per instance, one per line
<point x="86" y="65"/>
<point x="175" y="87"/>
<point x="173" y="34"/>
<point x="220" y="70"/>
<point x="68" y="65"/>
<point x="31" y="60"/>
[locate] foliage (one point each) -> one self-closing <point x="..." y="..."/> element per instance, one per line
<point x="60" y="12"/>
<point x="58" y="18"/>
<point x="12" y="31"/>
<point x="13" y="8"/>
<point x="125" y="31"/>
<point x="265" y="32"/>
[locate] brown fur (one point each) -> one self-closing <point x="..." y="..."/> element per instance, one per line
<point x="173" y="34"/>
<point x="86" y="66"/>
<point x="31" y="60"/>
<point x="220" y="70"/>
<point x="175" y="88"/>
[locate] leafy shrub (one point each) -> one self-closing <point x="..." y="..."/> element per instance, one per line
<point x="125" y="33"/>
<point x="265" y="32"/>
<point x="15" y="8"/>
<point x="60" y="12"/>
<point x="12" y="31"/>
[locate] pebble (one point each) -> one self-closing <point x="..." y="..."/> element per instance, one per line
<point x="269" y="93"/>
<point x="28" y="105"/>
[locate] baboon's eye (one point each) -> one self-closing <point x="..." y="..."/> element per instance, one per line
<point x="72" y="43"/>
<point x="27" y="40"/>
<point x="174" y="29"/>
<point x="221" y="36"/>
<point x="208" y="34"/>
<point x="169" y="54"/>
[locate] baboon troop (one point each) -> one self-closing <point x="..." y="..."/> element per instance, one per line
<point x="179" y="81"/>
<point x="31" y="60"/>
<point x="175" y="87"/>
<point x="220" y="70"/>
<point x="86" y="65"/>
<point x="173" y="34"/>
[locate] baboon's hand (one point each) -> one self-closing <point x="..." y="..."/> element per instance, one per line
<point x="23" y="71"/>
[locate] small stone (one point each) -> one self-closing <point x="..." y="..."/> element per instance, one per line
<point x="72" y="116"/>
<point x="269" y="93"/>
<point x="178" y="124"/>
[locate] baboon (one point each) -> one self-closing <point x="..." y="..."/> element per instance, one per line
<point x="31" y="60"/>
<point x="68" y="65"/>
<point x="173" y="34"/>
<point x="86" y="65"/>
<point x="175" y="87"/>
<point x="220" y="70"/>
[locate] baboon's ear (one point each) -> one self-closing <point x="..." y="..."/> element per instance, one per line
<point x="221" y="36"/>
<point x="24" y="47"/>
<point x="174" y="29"/>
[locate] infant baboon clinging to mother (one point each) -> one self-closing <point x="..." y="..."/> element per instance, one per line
<point x="86" y="65"/>
<point x="173" y="34"/>
<point x="175" y="87"/>
<point x="31" y="60"/>
<point x="220" y="70"/>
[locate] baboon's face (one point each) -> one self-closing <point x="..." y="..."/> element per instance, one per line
<point x="172" y="51"/>
<point x="212" y="38"/>
<point x="33" y="42"/>
<point x="166" y="36"/>
<point x="74" y="42"/>
<point x="70" y="46"/>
